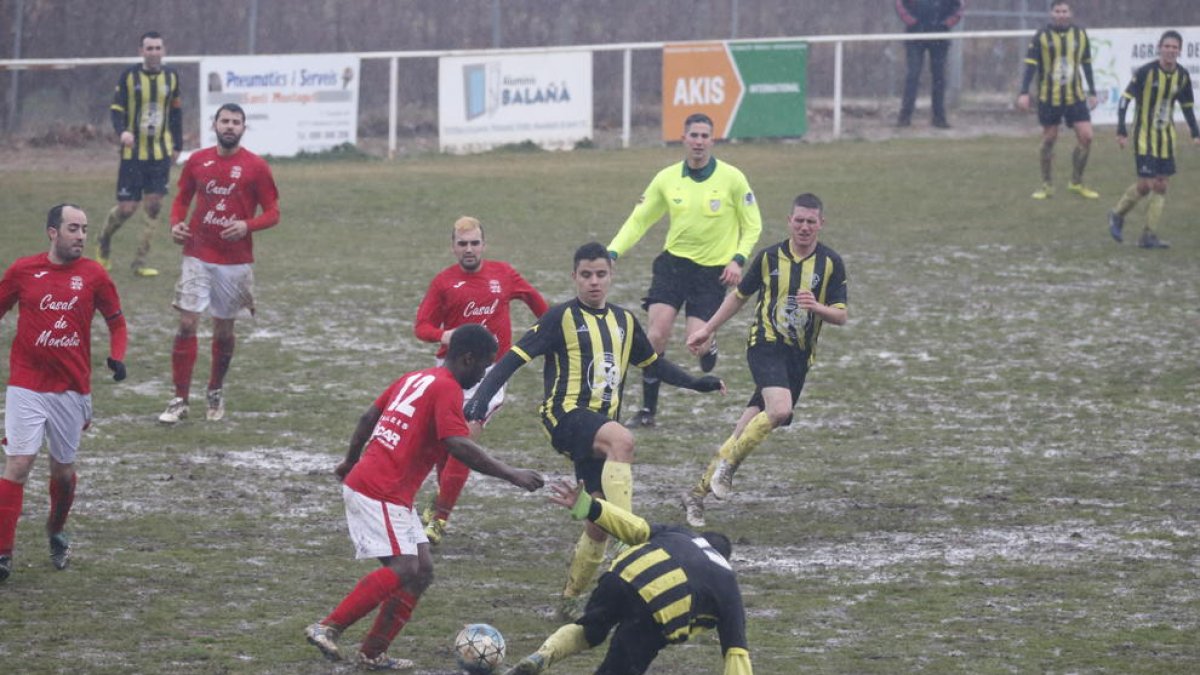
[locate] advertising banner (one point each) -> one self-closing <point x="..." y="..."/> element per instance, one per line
<point x="298" y="103"/>
<point x="488" y="101"/>
<point x="1118" y="52"/>
<point x="749" y="89"/>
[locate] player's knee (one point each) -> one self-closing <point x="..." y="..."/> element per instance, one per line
<point x="1160" y="186"/>
<point x="126" y="209"/>
<point x="778" y="415"/>
<point x="617" y="444"/>
<point x="153" y="209"/>
<point x="18" y="467"/>
<point x="187" y="328"/>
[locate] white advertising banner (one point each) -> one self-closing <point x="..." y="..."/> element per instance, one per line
<point x="303" y="103"/>
<point x="1118" y="52"/>
<point x="487" y="101"/>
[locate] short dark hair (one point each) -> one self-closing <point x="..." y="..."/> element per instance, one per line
<point x="720" y="542"/>
<point x="808" y="201"/>
<point x="1056" y="3"/>
<point x="231" y="107"/>
<point x="474" y="339"/>
<point x="152" y="34"/>
<point x="1171" y="34"/>
<point x="54" y="217"/>
<point x="592" y="250"/>
<point x="697" y="117"/>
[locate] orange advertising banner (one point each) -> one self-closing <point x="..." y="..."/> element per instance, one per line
<point x="698" y="77"/>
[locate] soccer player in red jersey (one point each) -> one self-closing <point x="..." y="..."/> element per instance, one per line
<point x="50" y="370"/>
<point x="230" y="185"/>
<point x="398" y="440"/>
<point x="473" y="291"/>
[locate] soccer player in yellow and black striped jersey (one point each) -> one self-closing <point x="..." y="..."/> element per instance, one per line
<point x="588" y="344"/>
<point x="1154" y="89"/>
<point x="1057" y="54"/>
<point x="147" y="115"/>
<point x="801" y="285"/>
<point x="715" y="224"/>
<point x="671" y="584"/>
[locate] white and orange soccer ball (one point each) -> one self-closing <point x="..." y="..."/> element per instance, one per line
<point x="479" y="648"/>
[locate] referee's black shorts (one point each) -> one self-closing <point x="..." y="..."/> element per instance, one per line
<point x="680" y="282"/>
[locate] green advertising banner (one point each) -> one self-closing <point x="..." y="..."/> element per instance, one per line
<point x="749" y="89"/>
<point x="774" y="78"/>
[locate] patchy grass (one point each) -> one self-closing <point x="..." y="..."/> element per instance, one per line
<point x="994" y="468"/>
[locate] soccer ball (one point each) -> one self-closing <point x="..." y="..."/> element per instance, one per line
<point x="479" y="648"/>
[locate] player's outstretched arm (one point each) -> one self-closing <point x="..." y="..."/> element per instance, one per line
<point x="675" y="376"/>
<point x="474" y="456"/>
<point x="475" y="410"/>
<point x="731" y="305"/>
<point x="614" y="520"/>
<point x="358" y="440"/>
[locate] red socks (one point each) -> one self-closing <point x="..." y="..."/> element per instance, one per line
<point x="395" y="611"/>
<point x="222" y="355"/>
<point x="451" y="480"/>
<point x="183" y="360"/>
<point x="12" y="495"/>
<point x="62" y="496"/>
<point x="366" y="596"/>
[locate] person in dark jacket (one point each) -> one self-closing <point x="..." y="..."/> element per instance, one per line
<point x="927" y="16"/>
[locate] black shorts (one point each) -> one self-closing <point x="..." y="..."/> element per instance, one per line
<point x="1052" y="115"/>
<point x="776" y="365"/>
<point x="678" y="281"/>
<point x="142" y="175"/>
<point x="1149" y="166"/>
<point x="638" y="639"/>
<point x="575" y="437"/>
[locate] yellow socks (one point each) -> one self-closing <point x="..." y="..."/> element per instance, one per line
<point x="1128" y="200"/>
<point x="562" y="643"/>
<point x="588" y="555"/>
<point x="616" y="479"/>
<point x="751" y="437"/>
<point x="1154" y="211"/>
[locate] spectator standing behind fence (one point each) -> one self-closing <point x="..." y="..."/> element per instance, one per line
<point x="927" y="16"/>
<point x="1058" y="53"/>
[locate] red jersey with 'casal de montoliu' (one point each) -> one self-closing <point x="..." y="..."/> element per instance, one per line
<point x="52" y="350"/>
<point x="457" y="297"/>
<point x="226" y="189"/>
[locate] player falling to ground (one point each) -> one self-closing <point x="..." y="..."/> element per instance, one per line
<point x="801" y="285"/>
<point x="714" y="225"/>
<point x="479" y="291"/>
<point x="230" y="185"/>
<point x="397" y="442"/>
<point x="1155" y="88"/>
<point x="1057" y="54"/>
<point x="671" y="584"/>
<point x="50" y="371"/>
<point x="147" y="114"/>
<point x="588" y="345"/>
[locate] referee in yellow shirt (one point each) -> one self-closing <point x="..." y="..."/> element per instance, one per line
<point x="714" y="225"/>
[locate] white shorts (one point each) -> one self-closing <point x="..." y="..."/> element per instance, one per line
<point x="379" y="529"/>
<point x="497" y="400"/>
<point x="226" y="291"/>
<point x="32" y="416"/>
